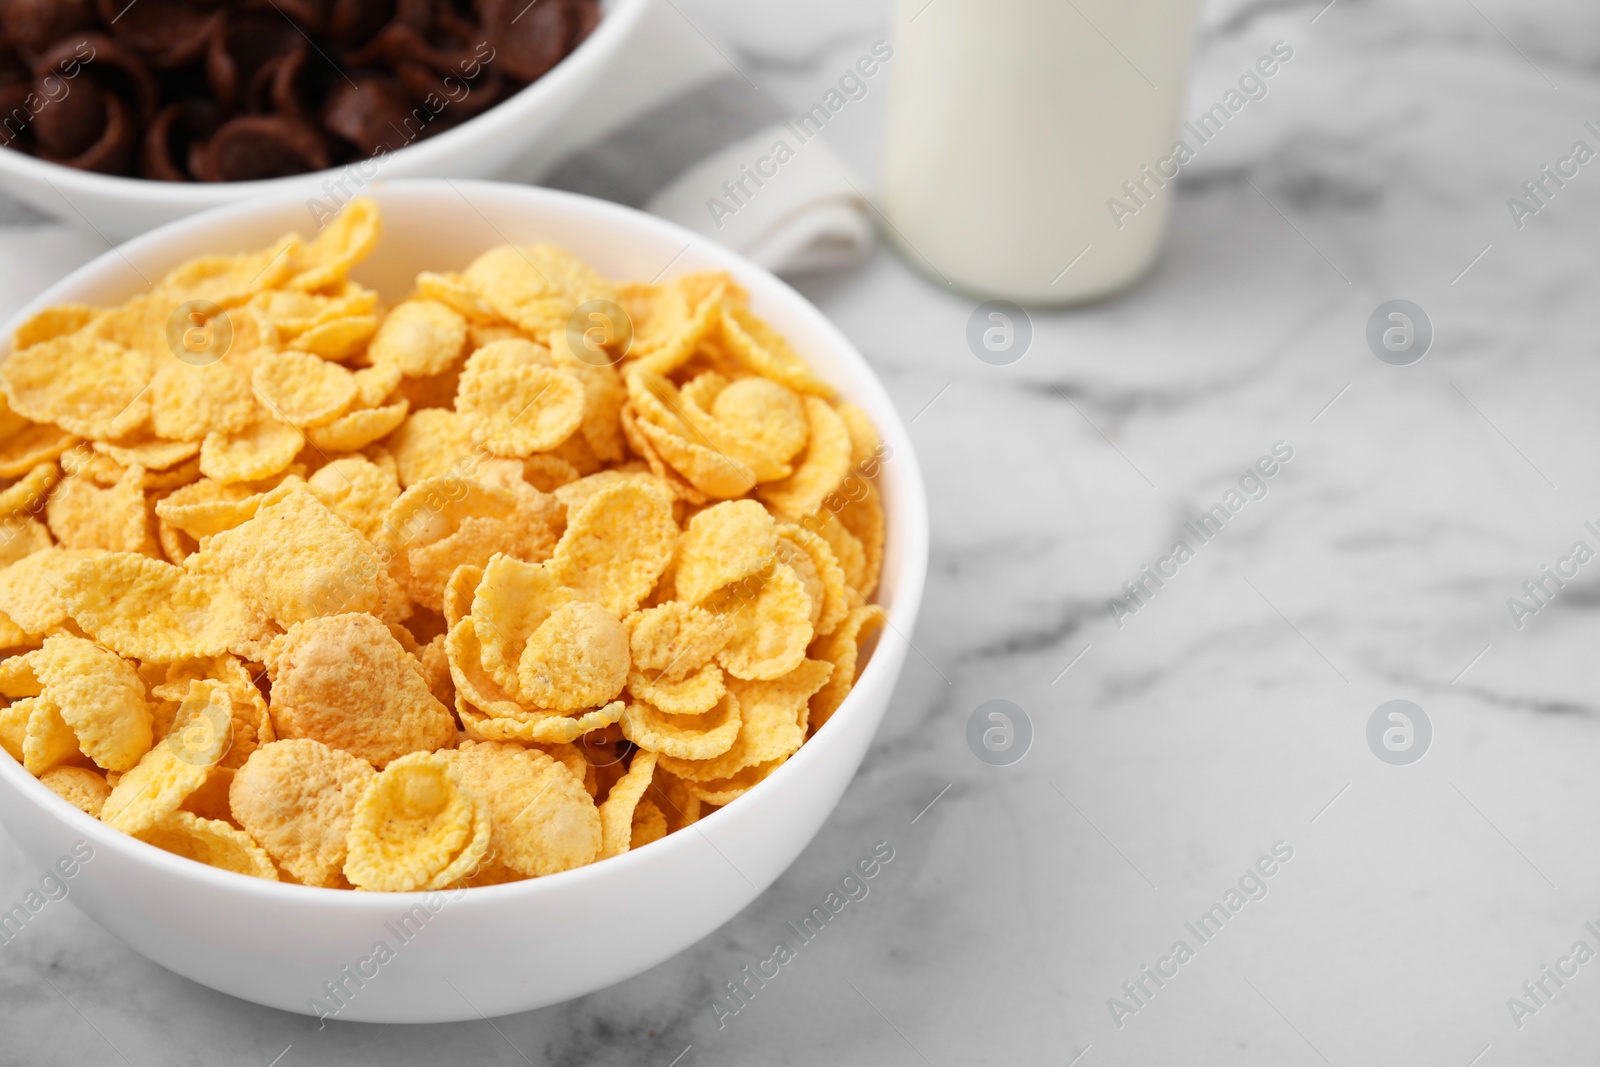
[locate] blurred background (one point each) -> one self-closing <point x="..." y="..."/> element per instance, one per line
<point x="1228" y="719"/>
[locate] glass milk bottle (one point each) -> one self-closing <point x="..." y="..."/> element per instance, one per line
<point x="1015" y="125"/>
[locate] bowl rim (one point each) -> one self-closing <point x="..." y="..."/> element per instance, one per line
<point x="620" y="19"/>
<point x="909" y="534"/>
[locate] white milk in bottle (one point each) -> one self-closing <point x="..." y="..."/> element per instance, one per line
<point x="1013" y="123"/>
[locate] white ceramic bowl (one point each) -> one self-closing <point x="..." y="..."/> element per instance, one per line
<point x="501" y="142"/>
<point x="512" y="947"/>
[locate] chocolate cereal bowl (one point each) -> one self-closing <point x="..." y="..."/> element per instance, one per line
<point x="464" y="949"/>
<point x="222" y="101"/>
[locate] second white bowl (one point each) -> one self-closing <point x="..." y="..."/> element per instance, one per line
<point x="503" y="138"/>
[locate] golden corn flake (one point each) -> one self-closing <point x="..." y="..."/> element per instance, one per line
<point x="542" y="819"/>
<point x="189" y="402"/>
<point x="433" y="443"/>
<point x="675" y="639"/>
<point x="862" y="515"/>
<point x="764" y="351"/>
<point x="440" y="524"/>
<point x="699" y="692"/>
<point x="142" y="323"/>
<point x="301" y="389"/>
<point x="48" y="740"/>
<point x="100" y="696"/>
<point x="209" y="507"/>
<point x="78" y="786"/>
<point x="346" y="240"/>
<point x="358" y="429"/>
<point x="483" y="334"/>
<point x="536" y="287"/>
<point x="358" y="491"/>
<point x="86" y="386"/>
<point x="212" y="842"/>
<point x="297" y="560"/>
<point x="548" y="473"/>
<point x="510" y="601"/>
<point x="25" y="494"/>
<point x="570" y="756"/>
<point x="20" y="536"/>
<point x="297" y="797"/>
<point x="150" y="453"/>
<point x="473" y="681"/>
<point x="51" y="323"/>
<point x="765" y="412"/>
<point x="251" y="724"/>
<point x="260" y="451"/>
<point x="702" y="390"/>
<point x="419" y="338"/>
<point x="716" y="474"/>
<point x="771" y="626"/>
<point x="805" y="568"/>
<point x="10" y="422"/>
<point x="375" y="384"/>
<point x="31" y="588"/>
<point x="453" y="291"/>
<point x="210" y="801"/>
<point x="228" y="281"/>
<point x="339" y="338"/>
<point x="577" y="493"/>
<point x="847" y="549"/>
<point x="689" y="737"/>
<point x="84" y="462"/>
<point x="33" y="445"/>
<point x="671" y="321"/>
<point x="163" y="779"/>
<point x="435" y="662"/>
<point x="724" y="544"/>
<point x="292" y="313"/>
<point x="603" y="397"/>
<point x="865" y="442"/>
<point x="812" y="558"/>
<point x="649" y="824"/>
<point x="577" y="658"/>
<point x="617" y="545"/>
<point x="534" y="727"/>
<point x="118" y="519"/>
<point x="822" y="468"/>
<point x="707" y="430"/>
<point x="176" y="546"/>
<point x="12" y="635"/>
<point x="202" y="724"/>
<point x="153" y="611"/>
<point x="459" y="592"/>
<point x="641" y="445"/>
<point x="347" y="682"/>
<point x="669" y="795"/>
<point x="772" y="723"/>
<point x="842" y="648"/>
<point x="616" y="813"/>
<point x="417" y="827"/>
<point x="519" y="410"/>
<point x="726" y="790"/>
<point x="17" y="678"/>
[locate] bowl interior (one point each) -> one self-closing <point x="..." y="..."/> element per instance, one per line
<point x="442" y="225"/>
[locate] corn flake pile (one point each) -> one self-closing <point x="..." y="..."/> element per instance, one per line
<point x="414" y="597"/>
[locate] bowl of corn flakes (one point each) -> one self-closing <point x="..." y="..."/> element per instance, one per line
<point x="444" y="613"/>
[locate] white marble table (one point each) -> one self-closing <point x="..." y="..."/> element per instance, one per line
<point x="1227" y="715"/>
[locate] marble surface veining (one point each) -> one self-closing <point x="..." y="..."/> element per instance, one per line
<point x="1229" y="714"/>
